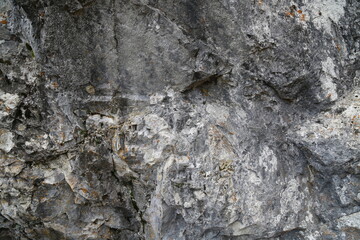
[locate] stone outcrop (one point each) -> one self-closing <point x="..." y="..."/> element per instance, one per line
<point x="163" y="119"/>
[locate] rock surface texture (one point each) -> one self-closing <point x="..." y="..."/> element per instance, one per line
<point x="179" y="119"/>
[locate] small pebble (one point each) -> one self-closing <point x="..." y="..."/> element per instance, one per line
<point x="90" y="90"/>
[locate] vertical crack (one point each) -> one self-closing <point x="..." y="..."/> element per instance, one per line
<point x="115" y="25"/>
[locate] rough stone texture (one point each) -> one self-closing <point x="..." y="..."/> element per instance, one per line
<point x="165" y="119"/>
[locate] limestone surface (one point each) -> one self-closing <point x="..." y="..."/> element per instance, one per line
<point x="179" y="119"/>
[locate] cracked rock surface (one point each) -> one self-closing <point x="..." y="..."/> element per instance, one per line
<point x="179" y="119"/>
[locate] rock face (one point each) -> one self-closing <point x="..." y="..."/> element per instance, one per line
<point x="164" y="119"/>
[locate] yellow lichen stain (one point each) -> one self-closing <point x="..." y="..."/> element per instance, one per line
<point x="84" y="190"/>
<point x="289" y="14"/>
<point x="41" y="74"/>
<point x="122" y="157"/>
<point x="355" y="121"/>
<point x="338" y="47"/>
<point x="302" y="17"/>
<point x="54" y="84"/>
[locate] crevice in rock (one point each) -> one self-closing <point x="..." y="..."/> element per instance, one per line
<point x="199" y="82"/>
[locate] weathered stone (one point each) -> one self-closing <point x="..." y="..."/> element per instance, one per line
<point x="6" y="140"/>
<point x="159" y="119"/>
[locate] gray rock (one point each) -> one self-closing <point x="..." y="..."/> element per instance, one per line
<point x="6" y="140"/>
<point x="153" y="119"/>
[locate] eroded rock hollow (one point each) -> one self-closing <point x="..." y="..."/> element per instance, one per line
<point x="179" y="119"/>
